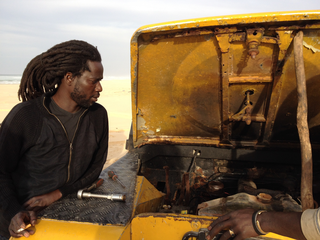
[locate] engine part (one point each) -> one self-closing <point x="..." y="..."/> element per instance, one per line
<point x="221" y="206"/>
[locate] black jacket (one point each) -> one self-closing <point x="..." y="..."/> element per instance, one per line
<point x="36" y="156"/>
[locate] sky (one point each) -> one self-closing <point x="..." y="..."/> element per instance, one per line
<point x="30" y="27"/>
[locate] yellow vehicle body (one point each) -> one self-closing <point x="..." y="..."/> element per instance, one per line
<point x="191" y="81"/>
<point x="145" y="225"/>
<point x="203" y="66"/>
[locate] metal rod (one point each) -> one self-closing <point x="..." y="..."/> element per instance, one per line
<point x="187" y="184"/>
<point x="167" y="197"/>
<point x="112" y="197"/>
<point x="302" y="125"/>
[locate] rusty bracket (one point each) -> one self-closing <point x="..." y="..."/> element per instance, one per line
<point x="253" y="40"/>
<point x="226" y="62"/>
<point x="245" y="113"/>
<point x="254" y="37"/>
<point x="284" y="40"/>
<point x="242" y="36"/>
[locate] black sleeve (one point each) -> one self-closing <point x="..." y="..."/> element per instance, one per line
<point x="17" y="133"/>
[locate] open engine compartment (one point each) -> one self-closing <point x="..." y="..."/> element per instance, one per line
<point x="196" y="184"/>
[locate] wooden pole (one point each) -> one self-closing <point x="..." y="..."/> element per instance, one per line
<point x="302" y="125"/>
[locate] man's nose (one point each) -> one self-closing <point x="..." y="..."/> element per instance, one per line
<point x="98" y="87"/>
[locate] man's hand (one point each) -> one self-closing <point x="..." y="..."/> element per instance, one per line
<point x="20" y="220"/>
<point x="42" y="201"/>
<point x="238" y="222"/>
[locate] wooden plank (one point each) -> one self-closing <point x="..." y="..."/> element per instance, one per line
<point x="302" y="125"/>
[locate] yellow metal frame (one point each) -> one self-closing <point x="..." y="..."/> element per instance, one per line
<point x="143" y="226"/>
<point x="53" y="229"/>
<point x="161" y="226"/>
<point x="226" y="20"/>
<point x="226" y="30"/>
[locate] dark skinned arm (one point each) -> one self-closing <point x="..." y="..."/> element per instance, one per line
<point x="20" y="220"/>
<point x="32" y="206"/>
<point x="38" y="202"/>
<point x="240" y="221"/>
<point x="283" y="223"/>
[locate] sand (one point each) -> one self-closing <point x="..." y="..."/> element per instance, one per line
<point x="115" y="97"/>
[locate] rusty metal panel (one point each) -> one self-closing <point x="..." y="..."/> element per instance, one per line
<point x="225" y="81"/>
<point x="176" y="87"/>
<point x="285" y="123"/>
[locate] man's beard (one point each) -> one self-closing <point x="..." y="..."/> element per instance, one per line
<point x="79" y="98"/>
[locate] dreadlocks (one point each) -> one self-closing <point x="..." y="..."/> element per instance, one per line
<point x="45" y="72"/>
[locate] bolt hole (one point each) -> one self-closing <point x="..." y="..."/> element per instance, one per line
<point x="250" y="92"/>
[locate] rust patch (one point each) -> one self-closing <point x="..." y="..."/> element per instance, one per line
<point x="225" y="30"/>
<point x="199" y="182"/>
<point x="175" y="217"/>
<point x="196" y="32"/>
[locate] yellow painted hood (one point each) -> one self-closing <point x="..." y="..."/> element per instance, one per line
<point x="192" y="80"/>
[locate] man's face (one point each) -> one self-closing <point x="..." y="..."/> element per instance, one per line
<point x="87" y="87"/>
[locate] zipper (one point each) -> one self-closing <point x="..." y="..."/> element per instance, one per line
<point x="65" y="131"/>
<point x="71" y="146"/>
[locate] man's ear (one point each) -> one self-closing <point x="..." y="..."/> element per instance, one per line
<point x="68" y="78"/>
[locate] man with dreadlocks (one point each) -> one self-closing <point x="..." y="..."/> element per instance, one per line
<point x="55" y="142"/>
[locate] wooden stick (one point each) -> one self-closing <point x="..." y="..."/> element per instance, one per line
<point x="302" y="125"/>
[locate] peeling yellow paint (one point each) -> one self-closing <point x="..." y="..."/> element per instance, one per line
<point x="314" y="50"/>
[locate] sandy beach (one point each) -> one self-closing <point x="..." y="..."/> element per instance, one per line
<point x="115" y="97"/>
